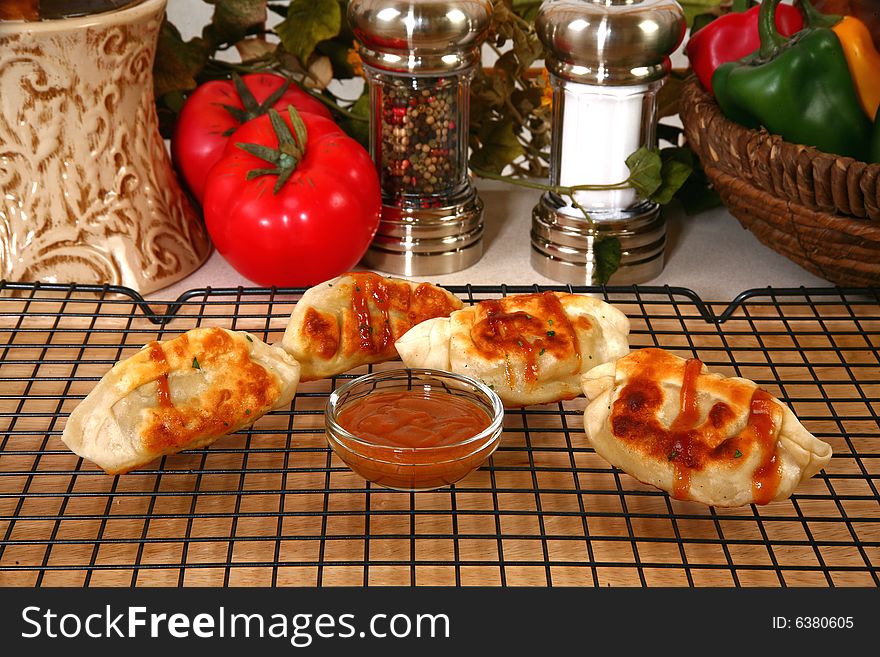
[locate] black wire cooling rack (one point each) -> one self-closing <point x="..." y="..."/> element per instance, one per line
<point x="274" y="506"/>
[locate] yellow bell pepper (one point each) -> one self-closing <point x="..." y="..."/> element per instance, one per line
<point x="863" y="61"/>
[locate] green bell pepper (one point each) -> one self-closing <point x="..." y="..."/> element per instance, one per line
<point x="798" y="88"/>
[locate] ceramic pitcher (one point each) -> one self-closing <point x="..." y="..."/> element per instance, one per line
<point x="87" y="191"/>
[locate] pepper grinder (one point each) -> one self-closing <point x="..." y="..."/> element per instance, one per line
<point x="419" y="58"/>
<point x="607" y="60"/>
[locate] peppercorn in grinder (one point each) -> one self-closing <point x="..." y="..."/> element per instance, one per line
<point x="607" y="60"/>
<point x="419" y="57"/>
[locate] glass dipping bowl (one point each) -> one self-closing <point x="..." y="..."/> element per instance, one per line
<point x="414" y="468"/>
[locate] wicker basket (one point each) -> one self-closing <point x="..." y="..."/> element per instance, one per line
<point x="821" y="211"/>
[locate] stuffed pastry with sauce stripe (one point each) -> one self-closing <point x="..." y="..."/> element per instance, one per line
<point x="354" y="320"/>
<point x="718" y="440"/>
<point x="179" y="394"/>
<point x="530" y="348"/>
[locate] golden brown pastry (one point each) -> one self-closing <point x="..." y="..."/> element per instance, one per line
<point x="530" y="348"/>
<point x="704" y="437"/>
<point x="354" y="320"/>
<point x="183" y="393"/>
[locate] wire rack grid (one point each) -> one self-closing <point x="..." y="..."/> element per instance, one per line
<point x="272" y="505"/>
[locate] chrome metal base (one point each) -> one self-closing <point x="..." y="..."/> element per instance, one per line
<point x="562" y="245"/>
<point x="427" y="242"/>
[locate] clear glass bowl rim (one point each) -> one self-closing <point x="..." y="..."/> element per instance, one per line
<point x="333" y="427"/>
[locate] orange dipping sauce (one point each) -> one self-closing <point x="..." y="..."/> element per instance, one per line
<point x="410" y="418"/>
<point x="417" y="437"/>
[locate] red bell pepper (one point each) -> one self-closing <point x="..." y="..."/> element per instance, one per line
<point x="732" y="37"/>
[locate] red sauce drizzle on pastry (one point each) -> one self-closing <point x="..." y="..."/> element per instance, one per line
<point x="163" y="392"/>
<point x="508" y="330"/>
<point x="369" y="286"/>
<point x="688" y="445"/>
<point x="766" y="478"/>
<point x="361" y="308"/>
<point x="525" y="334"/>
<point x="383" y="309"/>
<point x="382" y="299"/>
<point x="688" y="416"/>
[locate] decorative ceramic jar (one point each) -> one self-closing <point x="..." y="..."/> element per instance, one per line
<point x="88" y="191"/>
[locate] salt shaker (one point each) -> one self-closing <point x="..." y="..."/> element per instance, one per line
<point x="419" y="58"/>
<point x="607" y="60"/>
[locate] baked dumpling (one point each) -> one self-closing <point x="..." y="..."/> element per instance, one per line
<point x="354" y="320"/>
<point x="704" y="437"/>
<point x="179" y="394"/>
<point x="530" y="348"/>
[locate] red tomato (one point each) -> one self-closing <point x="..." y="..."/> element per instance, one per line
<point x="318" y="224"/>
<point x="204" y="124"/>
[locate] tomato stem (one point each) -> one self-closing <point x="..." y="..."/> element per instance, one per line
<point x="252" y="109"/>
<point x="299" y="128"/>
<point x="290" y="152"/>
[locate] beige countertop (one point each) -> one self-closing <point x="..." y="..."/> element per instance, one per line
<point x="709" y="253"/>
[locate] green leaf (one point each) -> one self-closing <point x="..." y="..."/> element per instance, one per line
<point x="509" y="66"/>
<point x="178" y="62"/>
<point x="361" y="107"/>
<point x="234" y="19"/>
<point x="658" y="175"/>
<point x="498" y="146"/>
<point x="607" y="253"/>
<point x="174" y="101"/>
<point x="692" y="8"/>
<point x="309" y="22"/>
<point x="670" y="93"/>
<point x="487" y="93"/>
<point x="700" y="21"/>
<point x="527" y="47"/>
<point x="337" y="50"/>
<point x="167" y="118"/>
<point x="645" y="168"/>
<point x="527" y="9"/>
<point x="697" y="195"/>
<point x="678" y="164"/>
<point x="359" y="130"/>
<point x="738" y="6"/>
<point x="526" y="100"/>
